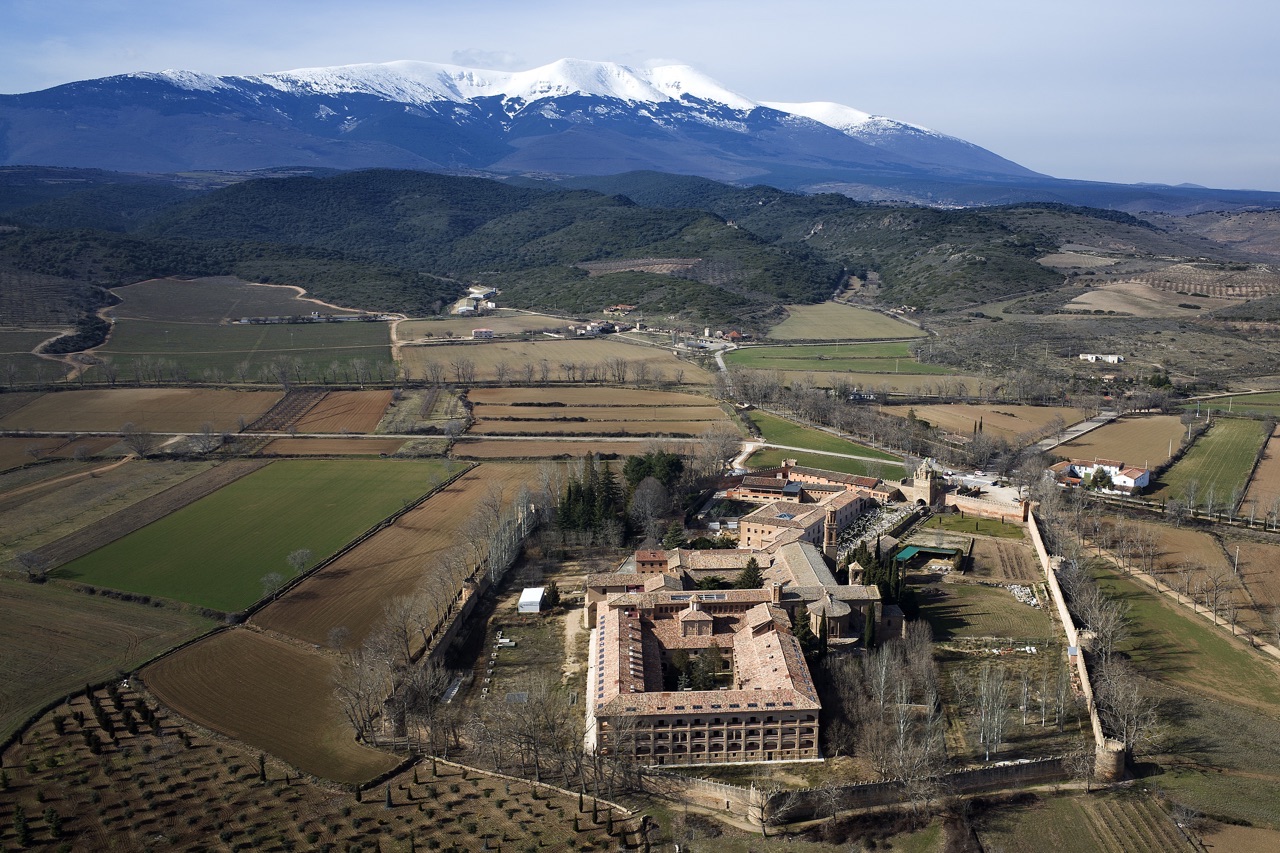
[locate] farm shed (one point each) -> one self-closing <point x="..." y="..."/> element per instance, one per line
<point x="531" y="599"/>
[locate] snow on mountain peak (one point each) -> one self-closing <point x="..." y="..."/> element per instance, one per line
<point x="847" y="120"/>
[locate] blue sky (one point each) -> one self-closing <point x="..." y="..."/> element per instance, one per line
<point x="1165" y="91"/>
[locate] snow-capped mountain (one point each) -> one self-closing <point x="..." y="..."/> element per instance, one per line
<point x="571" y="117"/>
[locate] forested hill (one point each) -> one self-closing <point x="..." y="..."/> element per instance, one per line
<point x="410" y="241"/>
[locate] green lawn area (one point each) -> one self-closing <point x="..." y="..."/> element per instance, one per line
<point x="215" y="552"/>
<point x="217" y="352"/>
<point x="1171" y="645"/>
<point x="888" y="358"/>
<point x="772" y="458"/>
<point x="1221" y="460"/>
<point x="972" y="610"/>
<point x="954" y="523"/>
<point x="780" y="431"/>
<point x="832" y="321"/>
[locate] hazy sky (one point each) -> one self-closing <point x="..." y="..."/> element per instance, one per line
<point x="1165" y="91"/>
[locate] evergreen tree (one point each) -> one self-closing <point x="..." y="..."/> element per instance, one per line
<point x="674" y="537"/>
<point x="803" y="633"/>
<point x="750" y="578"/>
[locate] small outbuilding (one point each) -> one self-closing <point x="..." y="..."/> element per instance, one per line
<point x="531" y="599"/>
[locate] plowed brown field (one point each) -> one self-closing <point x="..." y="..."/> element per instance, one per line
<point x="270" y="694"/>
<point x="1264" y="486"/>
<point x="585" y="397"/>
<point x="13" y="451"/>
<point x="489" y="411"/>
<point x="346" y="411"/>
<point x="676" y="428"/>
<point x="1142" y="440"/>
<point x="156" y="409"/>
<point x="332" y="446"/>
<point x="536" y="449"/>
<point x="1007" y="562"/>
<point x="351" y="591"/>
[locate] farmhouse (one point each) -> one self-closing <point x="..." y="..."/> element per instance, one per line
<point x="1094" y="358"/>
<point x="482" y="334"/>
<point x="1103" y="475"/>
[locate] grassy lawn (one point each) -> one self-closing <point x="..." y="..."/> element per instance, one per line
<point x="771" y="458"/>
<point x="972" y="524"/>
<point x="215" y="552"/>
<point x="1220" y="460"/>
<point x="890" y="358"/>
<point x="834" y="321"/>
<point x="970" y="610"/>
<point x="1171" y="645"/>
<point x="779" y="431"/>
<point x="227" y="352"/>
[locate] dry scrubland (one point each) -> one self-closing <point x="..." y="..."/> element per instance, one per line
<point x="1004" y="421"/>
<point x="270" y="694"/>
<point x="835" y="321"/>
<point x="55" y="640"/>
<point x="156" y="409"/>
<point x="588" y="354"/>
<point x="1138" y="440"/>
<point x="346" y="411"/>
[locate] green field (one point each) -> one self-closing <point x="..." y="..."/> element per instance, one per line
<point x="17" y="364"/>
<point x="969" y="610"/>
<point x="211" y="300"/>
<point x="776" y="430"/>
<point x="772" y="458"/>
<point x="1254" y="404"/>
<point x="1220" y="460"/>
<point x="955" y="523"/>
<point x="233" y="353"/>
<point x="832" y="321"/>
<point x="890" y="358"/>
<point x="215" y="552"/>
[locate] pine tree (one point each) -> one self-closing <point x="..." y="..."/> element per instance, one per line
<point x="751" y="577"/>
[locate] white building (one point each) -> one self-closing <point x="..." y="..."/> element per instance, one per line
<point x="531" y="599"/>
<point x="1094" y="358"/>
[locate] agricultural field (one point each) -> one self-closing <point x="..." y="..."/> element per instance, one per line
<point x="41" y="513"/>
<point x="24" y="451"/>
<point x="662" y="416"/>
<point x="213" y="300"/>
<point x="189" y="788"/>
<point x="1005" y="562"/>
<point x="1266" y="404"/>
<point x="1139" y="299"/>
<point x="270" y="694"/>
<point x="1140" y="440"/>
<point x="833" y="321"/>
<point x="1009" y="422"/>
<point x="401" y="559"/>
<point x="420" y="410"/>
<point x="600" y="412"/>
<point x="333" y="447"/>
<point x="55" y="640"/>
<point x="17" y="364"/>
<point x="772" y="458"/>
<point x="624" y="427"/>
<point x="776" y="430"/>
<point x="1211" y="280"/>
<point x="956" y="610"/>
<point x="590" y="360"/>
<point x="535" y="398"/>
<point x="1263" y="495"/>
<point x="345" y="411"/>
<point x="311" y="352"/>
<point x="1127" y="821"/>
<point x="1259" y="571"/>
<point x="893" y="358"/>
<point x="1217" y="465"/>
<point x="214" y="552"/>
<point x="480" y="448"/>
<point x="501" y="322"/>
<point x="156" y="409"/>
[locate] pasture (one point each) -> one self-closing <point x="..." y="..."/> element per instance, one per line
<point x="776" y="430"/>
<point x="601" y="360"/>
<point x="1017" y="424"/>
<point x="346" y="411"/>
<point x="501" y="322"/>
<point x="1216" y="468"/>
<point x="772" y="458"/>
<point x="956" y="610"/>
<point x="269" y="694"/>
<point x="398" y="561"/>
<point x="155" y="409"/>
<point x="55" y="640"/>
<point x="888" y="358"/>
<point x="214" y="552"/>
<point x="1145" y="440"/>
<point x="835" y="321"/>
<point x="213" y="300"/>
<point x="1263" y="496"/>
